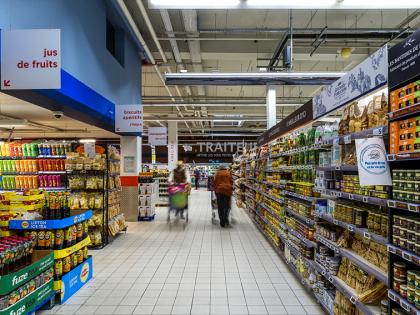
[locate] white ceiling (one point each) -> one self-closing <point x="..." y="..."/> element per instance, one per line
<point x="237" y="40"/>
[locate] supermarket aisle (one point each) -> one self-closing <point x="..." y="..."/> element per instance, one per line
<point x="203" y="270"/>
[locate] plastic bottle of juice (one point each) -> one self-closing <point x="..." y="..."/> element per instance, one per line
<point x="24" y="151"/>
<point x="6" y="149"/>
<point x="18" y="149"/>
<point x="40" y="149"/>
<point x="34" y="165"/>
<point x="29" y="165"/>
<point x="17" y="163"/>
<point x="17" y="181"/>
<point x="13" y="165"/>
<point x="34" y="180"/>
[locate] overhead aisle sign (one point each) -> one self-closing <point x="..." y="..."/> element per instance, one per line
<point x="30" y="59"/>
<point x="367" y="76"/>
<point x="404" y="60"/>
<point x="129" y="119"/>
<point x="158" y="136"/>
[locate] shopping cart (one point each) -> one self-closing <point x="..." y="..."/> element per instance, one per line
<point x="178" y="200"/>
<point x="213" y="207"/>
<point x="214" y="211"/>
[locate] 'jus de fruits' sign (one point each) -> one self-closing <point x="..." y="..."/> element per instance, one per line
<point x="30" y="59"/>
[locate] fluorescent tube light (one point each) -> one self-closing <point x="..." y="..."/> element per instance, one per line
<point x="10" y="123"/>
<point x="289" y="4"/>
<point x="183" y="70"/>
<point x="87" y="140"/>
<point x="284" y="4"/>
<point x="188" y="4"/>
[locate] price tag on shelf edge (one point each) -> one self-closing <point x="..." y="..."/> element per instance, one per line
<point x="367" y="235"/>
<point x="405" y="306"/>
<point x="347" y="139"/>
<point x="378" y="131"/>
<point x="406" y="256"/>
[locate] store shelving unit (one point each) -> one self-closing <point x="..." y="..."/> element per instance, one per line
<point x="295" y="197"/>
<point x="403" y="111"/>
<point x="147" y="197"/>
<point x="161" y="177"/>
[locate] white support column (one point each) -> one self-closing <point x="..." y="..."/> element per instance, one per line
<point x="130" y="169"/>
<point x="172" y="144"/>
<point x="271" y="106"/>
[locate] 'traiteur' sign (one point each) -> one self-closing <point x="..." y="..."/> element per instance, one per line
<point x="129" y="119"/>
<point x="30" y="59"/>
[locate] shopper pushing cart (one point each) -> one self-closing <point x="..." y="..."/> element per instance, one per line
<point x="178" y="191"/>
<point x="223" y="187"/>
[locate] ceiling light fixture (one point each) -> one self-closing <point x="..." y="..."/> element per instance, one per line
<point x="252" y="78"/>
<point x="284" y="4"/>
<point x="183" y="70"/>
<point x="188" y="4"/>
<point x="87" y="140"/>
<point x="13" y="123"/>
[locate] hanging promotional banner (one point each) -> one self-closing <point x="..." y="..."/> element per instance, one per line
<point x="404" y="59"/>
<point x="367" y="76"/>
<point x="158" y="135"/>
<point x="172" y="155"/>
<point x="129" y="119"/>
<point x="30" y="59"/>
<point x="371" y="162"/>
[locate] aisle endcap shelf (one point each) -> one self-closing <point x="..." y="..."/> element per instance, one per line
<point x="77" y="217"/>
<point x="61" y="253"/>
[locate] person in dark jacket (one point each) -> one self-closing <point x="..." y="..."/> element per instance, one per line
<point x="197" y="176"/>
<point x="223" y="187"/>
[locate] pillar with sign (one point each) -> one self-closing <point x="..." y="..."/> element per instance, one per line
<point x="172" y="144"/>
<point x="129" y="124"/>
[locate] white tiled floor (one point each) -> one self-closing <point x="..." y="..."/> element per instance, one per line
<point x="158" y="268"/>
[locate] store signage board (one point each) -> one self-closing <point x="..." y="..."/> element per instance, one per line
<point x="404" y="60"/>
<point x="362" y="79"/>
<point x="298" y="118"/>
<point x="129" y="119"/>
<point x="129" y="164"/>
<point x="372" y="163"/>
<point x="158" y="135"/>
<point x="30" y="59"/>
<point x="89" y="148"/>
<point x="172" y="154"/>
<point x="74" y="280"/>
